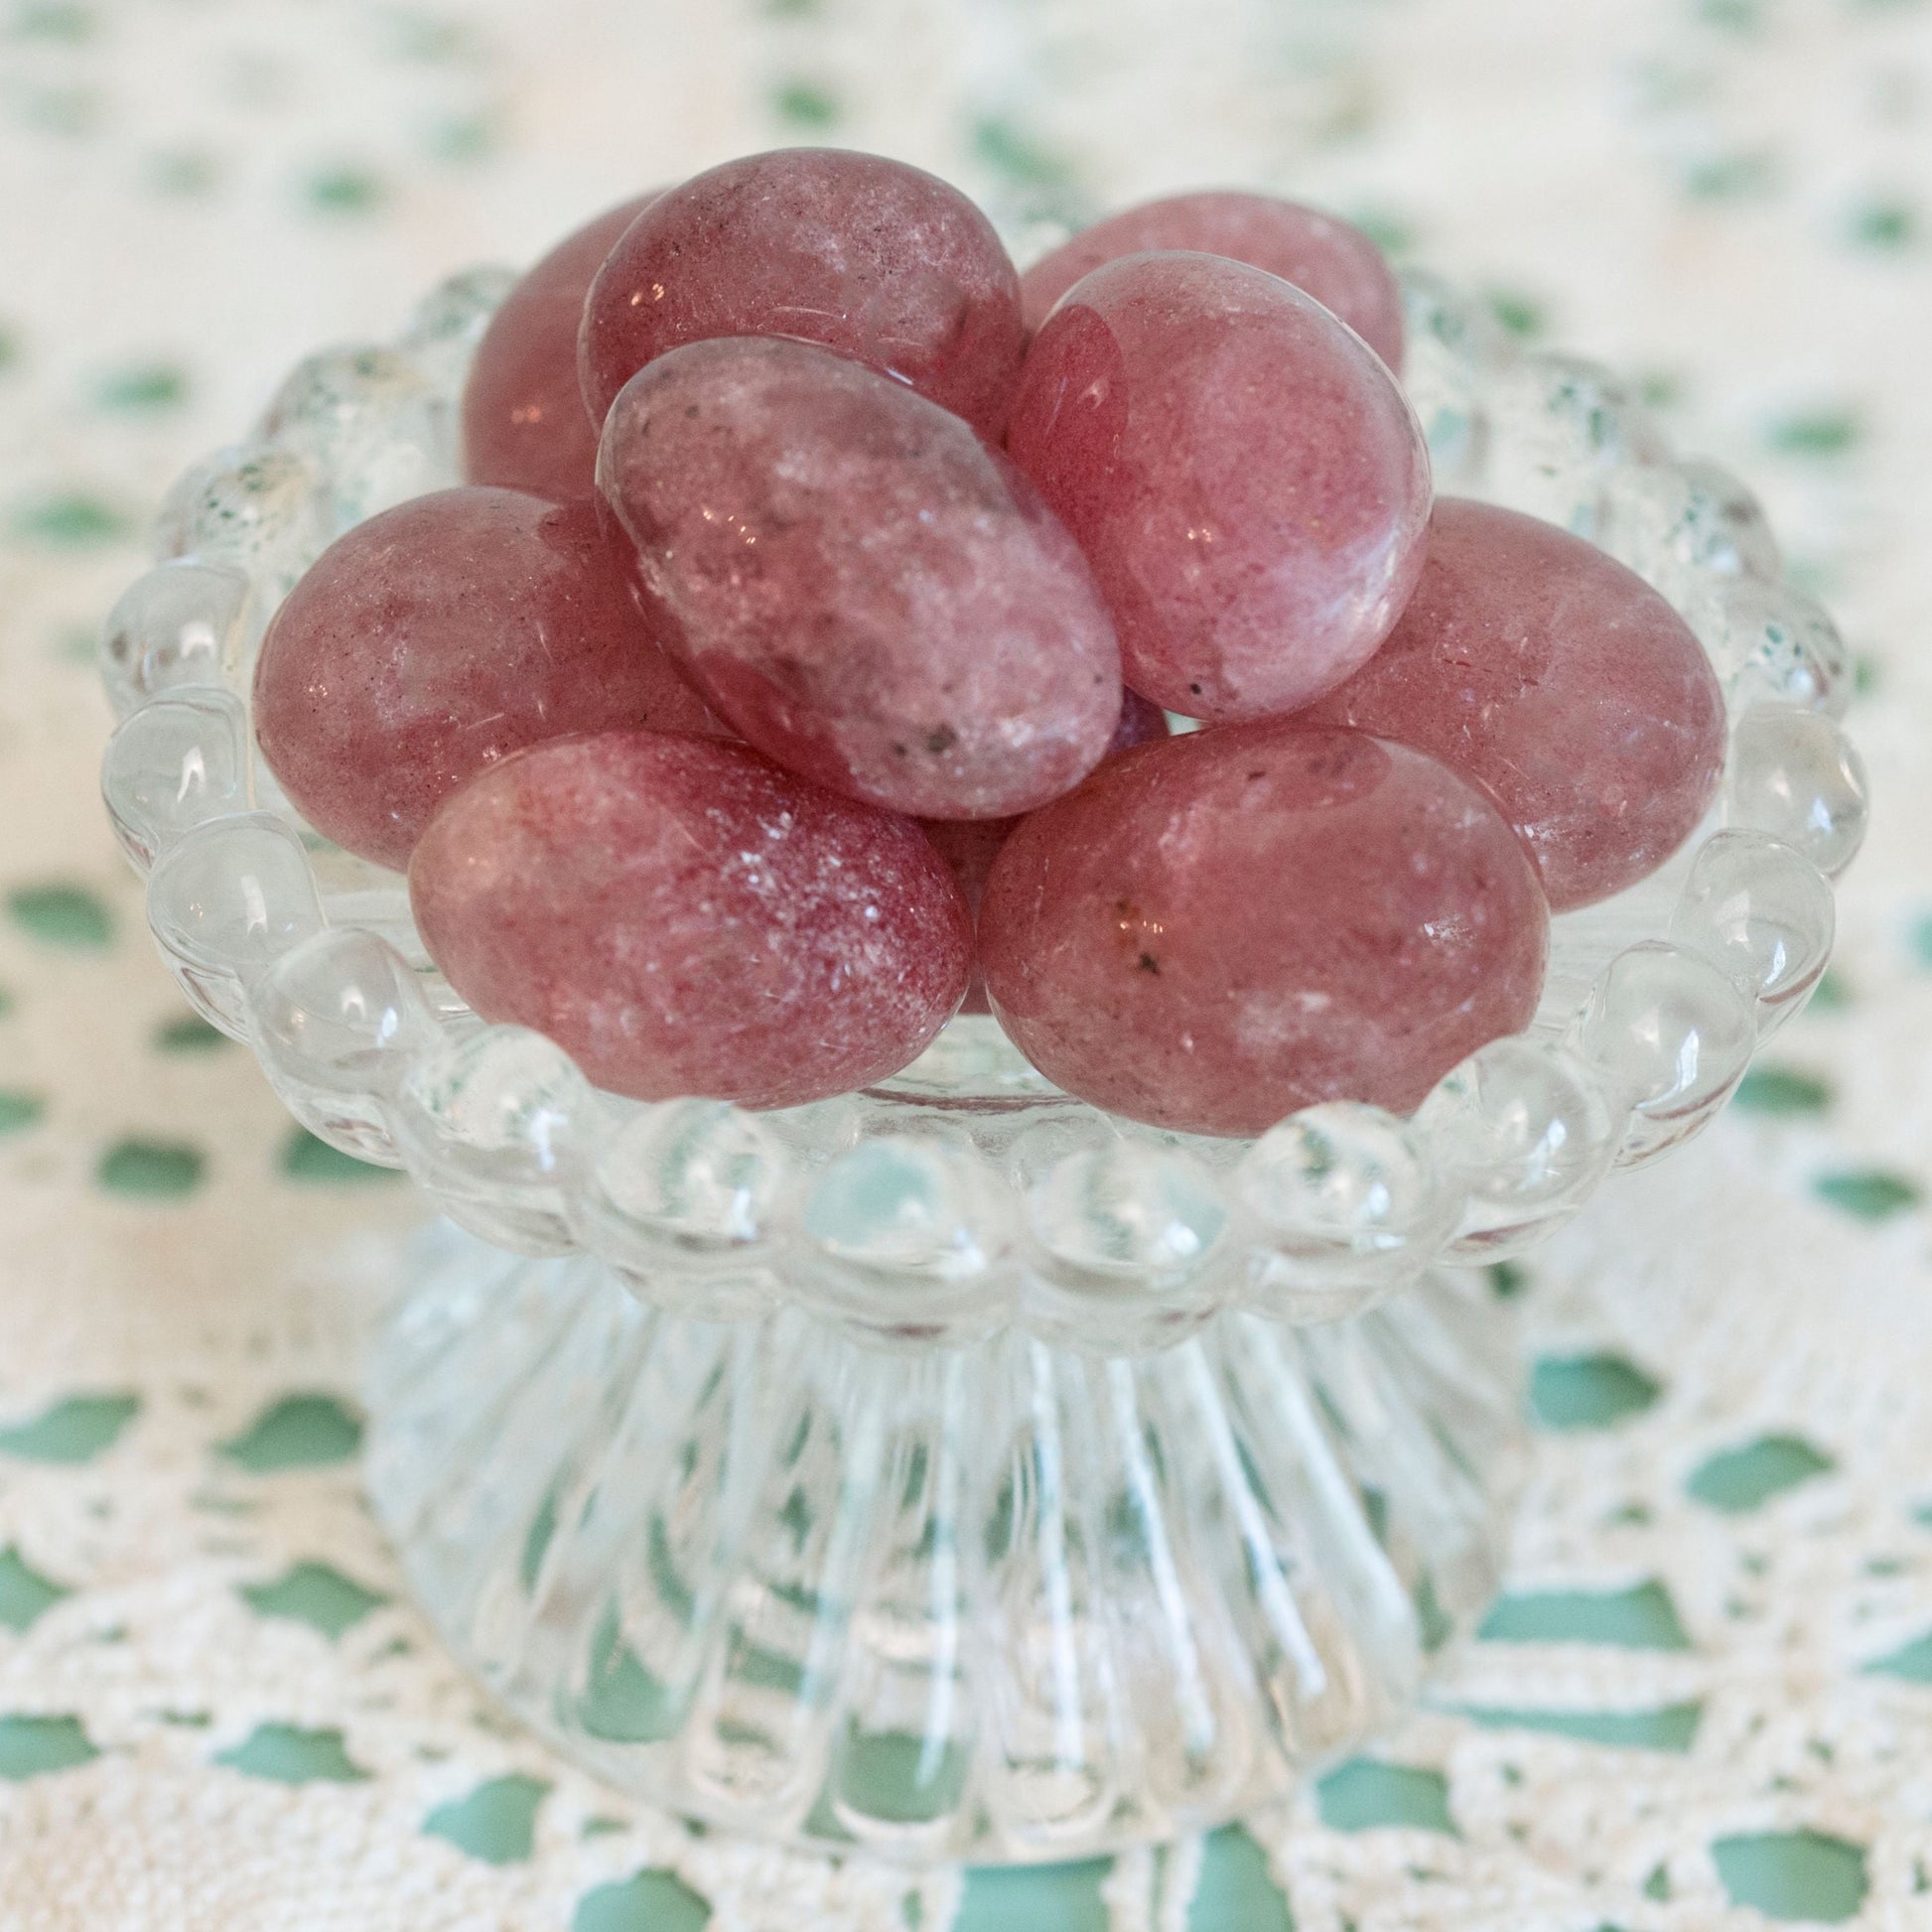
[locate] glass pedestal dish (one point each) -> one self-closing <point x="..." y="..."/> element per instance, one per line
<point x="952" y="1471"/>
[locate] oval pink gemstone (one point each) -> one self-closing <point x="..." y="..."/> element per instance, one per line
<point x="683" y="918"/>
<point x="1322" y="255"/>
<point x="867" y="256"/>
<point x="1217" y="931"/>
<point x="856" y="583"/>
<point x="1245" y="478"/>
<point x="524" y="424"/>
<point x="970" y="845"/>
<point x="1562" y="682"/>
<point x="437" y="637"/>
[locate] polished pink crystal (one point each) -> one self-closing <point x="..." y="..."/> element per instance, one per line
<point x="524" y="424"/>
<point x="970" y="845"/>
<point x="856" y="583"/>
<point x="877" y="260"/>
<point x="435" y="639"/>
<point x="1245" y="478"/>
<point x="1321" y="254"/>
<point x="1216" y="930"/>
<point x="1562" y="682"/>
<point x="684" y="917"/>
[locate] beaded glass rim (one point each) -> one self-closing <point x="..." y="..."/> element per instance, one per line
<point x="968" y="1194"/>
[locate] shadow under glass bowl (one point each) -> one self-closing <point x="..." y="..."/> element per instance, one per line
<point x="952" y="1470"/>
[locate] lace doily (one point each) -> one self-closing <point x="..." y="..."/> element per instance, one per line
<point x="1707" y="1697"/>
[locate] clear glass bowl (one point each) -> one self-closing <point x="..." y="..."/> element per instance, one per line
<point x="951" y="1469"/>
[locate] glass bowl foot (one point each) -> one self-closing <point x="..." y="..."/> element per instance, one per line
<point x="1000" y="1603"/>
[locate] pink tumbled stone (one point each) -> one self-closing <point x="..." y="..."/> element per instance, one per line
<point x="1562" y="682"/>
<point x="439" y="637"/>
<point x="1322" y="255"/>
<point x="877" y="260"/>
<point x="857" y="584"/>
<point x="683" y="918"/>
<point x="1216" y="930"/>
<point x="1243" y="473"/>
<point x="970" y="845"/>
<point x="524" y="424"/>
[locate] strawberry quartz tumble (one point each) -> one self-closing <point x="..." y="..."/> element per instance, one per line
<point x="683" y="918"/>
<point x="1324" y="257"/>
<point x="1219" y="930"/>
<point x="858" y="585"/>
<point x="1558" y="680"/>
<point x="437" y="637"/>
<point x="865" y="256"/>
<point x="1245" y="478"/>
<point x="524" y="424"/>
<point x="970" y="845"/>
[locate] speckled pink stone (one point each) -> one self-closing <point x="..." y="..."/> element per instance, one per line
<point x="860" y="586"/>
<point x="683" y="918"/>
<point x="1243" y="473"/>
<point x="1562" y="682"/>
<point x="1322" y="255"/>
<point x="524" y="424"/>
<point x="970" y="845"/>
<point x="1219" y="930"/>
<point x="436" y="639"/>
<point x="867" y="256"/>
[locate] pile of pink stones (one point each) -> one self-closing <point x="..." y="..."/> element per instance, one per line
<point x="796" y="665"/>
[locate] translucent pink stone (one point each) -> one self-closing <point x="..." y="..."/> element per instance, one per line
<point x="684" y="917"/>
<point x="1245" y="478"/>
<point x="856" y="583"/>
<point x="970" y="845"/>
<point x="433" y="639"/>
<point x="1219" y="930"/>
<point x="524" y="424"/>
<point x="1322" y="255"/>
<point x="867" y="256"/>
<point x="1561" y="681"/>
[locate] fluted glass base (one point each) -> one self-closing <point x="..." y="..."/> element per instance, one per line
<point x="1002" y="1603"/>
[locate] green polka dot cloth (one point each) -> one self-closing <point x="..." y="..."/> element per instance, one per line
<point x="1704" y="1703"/>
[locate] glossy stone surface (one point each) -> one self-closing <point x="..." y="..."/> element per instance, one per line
<point x="867" y="256"/>
<point x="970" y="845"/>
<point x="683" y="918"/>
<point x="524" y="424"/>
<point x="437" y="638"/>
<point x="858" y="584"/>
<point x="1244" y="476"/>
<point x="1536" y="664"/>
<point x="1217" y="931"/>
<point x="1321" y="254"/>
